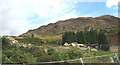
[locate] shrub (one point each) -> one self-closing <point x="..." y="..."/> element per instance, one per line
<point x="105" y="47"/>
<point x="51" y="55"/>
<point x="6" y="60"/>
<point x="64" y="55"/>
<point x="5" y="42"/>
<point x="31" y="40"/>
<point x="74" y="53"/>
<point x="13" y="56"/>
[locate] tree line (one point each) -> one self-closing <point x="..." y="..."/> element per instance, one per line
<point x="87" y="37"/>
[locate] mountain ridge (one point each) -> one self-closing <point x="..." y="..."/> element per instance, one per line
<point x="73" y="24"/>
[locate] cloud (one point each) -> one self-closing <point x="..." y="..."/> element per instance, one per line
<point x="13" y="17"/>
<point x="64" y="17"/>
<point x="15" y="14"/>
<point x="110" y="3"/>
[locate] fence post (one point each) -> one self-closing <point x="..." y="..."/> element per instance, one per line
<point x="117" y="58"/>
<point x="81" y="61"/>
<point x="112" y="60"/>
<point x="23" y="63"/>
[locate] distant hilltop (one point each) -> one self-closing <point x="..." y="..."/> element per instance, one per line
<point x="73" y="24"/>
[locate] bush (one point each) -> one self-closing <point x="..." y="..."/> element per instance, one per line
<point x="31" y="40"/>
<point x="6" y="60"/>
<point x="64" y="55"/>
<point x="13" y="56"/>
<point x="37" y="52"/>
<point x="105" y="47"/>
<point x="48" y="58"/>
<point x="5" y="42"/>
<point x="74" y="53"/>
<point x="51" y="55"/>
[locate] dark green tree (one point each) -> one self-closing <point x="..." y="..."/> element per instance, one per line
<point x="72" y="37"/>
<point x="93" y="36"/>
<point x="87" y="37"/>
<point x="103" y="41"/>
<point x="65" y="37"/>
<point x="81" y="37"/>
<point x="68" y="37"/>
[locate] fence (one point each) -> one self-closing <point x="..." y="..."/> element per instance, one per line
<point x="112" y="58"/>
<point x="106" y="59"/>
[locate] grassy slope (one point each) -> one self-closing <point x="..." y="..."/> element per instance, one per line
<point x="51" y="38"/>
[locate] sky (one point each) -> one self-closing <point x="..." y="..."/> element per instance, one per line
<point x="19" y="16"/>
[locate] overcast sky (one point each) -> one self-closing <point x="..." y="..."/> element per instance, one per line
<point x="19" y="16"/>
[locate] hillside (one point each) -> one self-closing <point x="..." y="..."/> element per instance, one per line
<point x="73" y="24"/>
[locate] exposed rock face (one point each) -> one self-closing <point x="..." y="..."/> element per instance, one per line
<point x="73" y="24"/>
